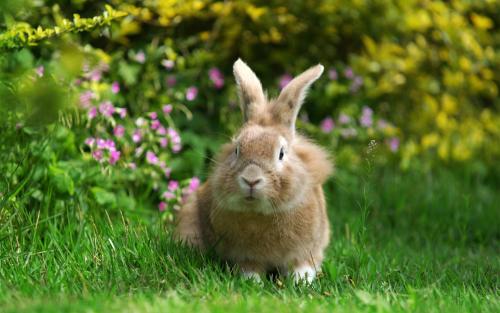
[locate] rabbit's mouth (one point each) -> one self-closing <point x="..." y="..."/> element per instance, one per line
<point x="250" y="198"/>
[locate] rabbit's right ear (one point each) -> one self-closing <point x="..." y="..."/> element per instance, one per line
<point x="252" y="99"/>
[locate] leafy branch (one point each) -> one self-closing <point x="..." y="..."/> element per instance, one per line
<point x="23" y="34"/>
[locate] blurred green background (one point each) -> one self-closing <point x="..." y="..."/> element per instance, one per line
<point x="116" y="108"/>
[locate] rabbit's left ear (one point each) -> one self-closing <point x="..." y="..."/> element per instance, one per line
<point x="288" y="104"/>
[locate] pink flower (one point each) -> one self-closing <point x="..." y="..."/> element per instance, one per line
<point x="173" y="185"/>
<point x="167" y="108"/>
<point x="161" y="130"/>
<point x="162" y="206"/>
<point x="344" y="118"/>
<point x="191" y="93"/>
<point x="155" y="124"/>
<point x="97" y="155"/>
<point x="327" y="125"/>
<point x="132" y="165"/>
<point x="168" y="195"/>
<point x="214" y="73"/>
<point x="284" y="80"/>
<point x="140" y="57"/>
<point x="86" y="98"/>
<point x="216" y="77"/>
<point x="171" y="81"/>
<point x="171" y="132"/>
<point x="106" y="144"/>
<point x="168" y="171"/>
<point x="367" y="110"/>
<point x="118" y="131"/>
<point x="90" y="141"/>
<point x="163" y="142"/>
<point x="176" y="139"/>
<point x="92" y="112"/>
<point x="162" y="164"/>
<point x="176" y="148"/>
<point x="394" y="144"/>
<point x="107" y="109"/>
<point x="110" y="145"/>
<point x="382" y="124"/>
<point x="101" y="143"/>
<point x="357" y="82"/>
<point x="115" y="87"/>
<point x="114" y="156"/>
<point x="366" y="118"/>
<point x="40" y="71"/>
<point x="168" y="64"/>
<point x="348" y="73"/>
<point x="151" y="157"/>
<point x="153" y="115"/>
<point x="136" y="136"/>
<point x="122" y="112"/>
<point x="332" y="74"/>
<point x="95" y="75"/>
<point x="194" y="184"/>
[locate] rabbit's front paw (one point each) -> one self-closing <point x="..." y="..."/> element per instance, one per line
<point x="304" y="274"/>
<point x="253" y="276"/>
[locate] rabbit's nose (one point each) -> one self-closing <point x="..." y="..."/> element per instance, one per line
<point x="251" y="182"/>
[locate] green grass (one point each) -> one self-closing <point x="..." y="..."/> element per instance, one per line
<point x="400" y="243"/>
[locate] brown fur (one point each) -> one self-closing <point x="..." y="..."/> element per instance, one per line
<point x="286" y="226"/>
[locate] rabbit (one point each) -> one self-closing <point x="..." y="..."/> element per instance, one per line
<point x="263" y="207"/>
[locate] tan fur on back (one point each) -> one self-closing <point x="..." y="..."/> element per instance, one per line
<point x="287" y="225"/>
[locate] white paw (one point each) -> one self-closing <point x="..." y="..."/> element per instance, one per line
<point x="304" y="273"/>
<point x="254" y="276"/>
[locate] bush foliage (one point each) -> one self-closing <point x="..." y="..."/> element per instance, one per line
<point x="131" y="104"/>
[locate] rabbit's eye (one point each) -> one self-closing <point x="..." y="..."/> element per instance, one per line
<point x="282" y="154"/>
<point x="237" y="151"/>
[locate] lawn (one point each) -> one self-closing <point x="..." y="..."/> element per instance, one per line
<point x="401" y="242"/>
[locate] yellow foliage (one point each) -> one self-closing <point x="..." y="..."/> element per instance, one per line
<point x="443" y="150"/>
<point x="449" y="104"/>
<point x="430" y="140"/>
<point x="465" y="64"/>
<point x="418" y="20"/>
<point x="129" y="27"/>
<point x="481" y="22"/>
<point x="254" y="12"/>
<point x="461" y="152"/>
<point x="408" y="151"/>
<point x="442" y="120"/>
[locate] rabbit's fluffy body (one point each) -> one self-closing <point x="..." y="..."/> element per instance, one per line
<point x="263" y="206"/>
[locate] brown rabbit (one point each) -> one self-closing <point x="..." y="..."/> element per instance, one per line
<point x="263" y="207"/>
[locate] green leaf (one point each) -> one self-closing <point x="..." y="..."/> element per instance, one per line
<point x="104" y="197"/>
<point x="125" y="202"/>
<point x="61" y="180"/>
<point x="128" y="72"/>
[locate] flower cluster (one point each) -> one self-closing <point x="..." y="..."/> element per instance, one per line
<point x="143" y="145"/>
<point x="348" y="127"/>
<point x="177" y="192"/>
<point x="103" y="150"/>
<point x="216" y="77"/>
<point x="355" y="82"/>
